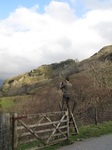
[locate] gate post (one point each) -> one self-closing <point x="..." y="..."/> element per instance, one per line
<point x="14" y="131"/>
<point x="67" y="114"/>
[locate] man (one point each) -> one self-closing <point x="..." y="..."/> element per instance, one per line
<point x="66" y="88"/>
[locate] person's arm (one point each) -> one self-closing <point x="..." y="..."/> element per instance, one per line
<point x="62" y="85"/>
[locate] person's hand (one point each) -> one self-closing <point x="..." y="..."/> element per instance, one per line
<point x="60" y="83"/>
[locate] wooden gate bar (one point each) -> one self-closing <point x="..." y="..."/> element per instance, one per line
<point x="55" y="129"/>
<point x="40" y="120"/>
<point x="74" y="123"/>
<point x="58" y="127"/>
<point x="31" y="131"/>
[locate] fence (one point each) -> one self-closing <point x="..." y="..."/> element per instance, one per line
<point x="93" y="116"/>
<point x="5" y="142"/>
<point x="41" y="130"/>
<point x="35" y="131"/>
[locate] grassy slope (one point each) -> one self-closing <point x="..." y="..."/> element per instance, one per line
<point x="7" y="104"/>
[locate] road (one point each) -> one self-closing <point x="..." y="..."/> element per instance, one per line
<point x="99" y="143"/>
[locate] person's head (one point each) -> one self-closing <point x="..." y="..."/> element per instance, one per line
<point x="67" y="79"/>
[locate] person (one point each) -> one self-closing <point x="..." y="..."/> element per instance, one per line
<point x="66" y="88"/>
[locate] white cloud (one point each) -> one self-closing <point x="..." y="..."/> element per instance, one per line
<point x="60" y="11"/>
<point x="98" y="4"/>
<point x="29" y="39"/>
<point x="92" y="5"/>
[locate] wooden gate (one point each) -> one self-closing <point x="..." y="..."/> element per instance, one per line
<point x="40" y="130"/>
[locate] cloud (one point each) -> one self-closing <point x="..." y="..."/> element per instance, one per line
<point x="29" y="39"/>
<point x="61" y="11"/>
<point x="98" y="4"/>
<point x="92" y="5"/>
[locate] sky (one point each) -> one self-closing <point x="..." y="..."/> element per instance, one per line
<point x="38" y="32"/>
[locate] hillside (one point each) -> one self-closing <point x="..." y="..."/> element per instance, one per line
<point x="23" y="84"/>
<point x="38" y="90"/>
<point x="99" y="67"/>
<point x="104" y="56"/>
<point x="38" y="77"/>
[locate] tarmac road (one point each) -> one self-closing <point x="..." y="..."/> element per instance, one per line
<point x="99" y="143"/>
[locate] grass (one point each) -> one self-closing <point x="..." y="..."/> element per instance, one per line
<point x="93" y="131"/>
<point x="6" y="102"/>
<point x="29" y="145"/>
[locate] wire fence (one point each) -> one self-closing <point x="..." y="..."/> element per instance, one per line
<point x="93" y="116"/>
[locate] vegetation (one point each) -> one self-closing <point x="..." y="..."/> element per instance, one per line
<point x="9" y="104"/>
<point x="6" y="103"/>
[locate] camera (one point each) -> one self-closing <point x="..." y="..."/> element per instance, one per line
<point x="62" y="83"/>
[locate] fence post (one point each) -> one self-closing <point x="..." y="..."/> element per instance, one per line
<point x="5" y="131"/>
<point x="14" y="131"/>
<point x="68" y="118"/>
<point x="96" y="118"/>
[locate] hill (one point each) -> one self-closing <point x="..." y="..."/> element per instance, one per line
<point x="99" y="67"/>
<point x="38" y="90"/>
<point x="45" y="74"/>
<point x="38" y="77"/>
